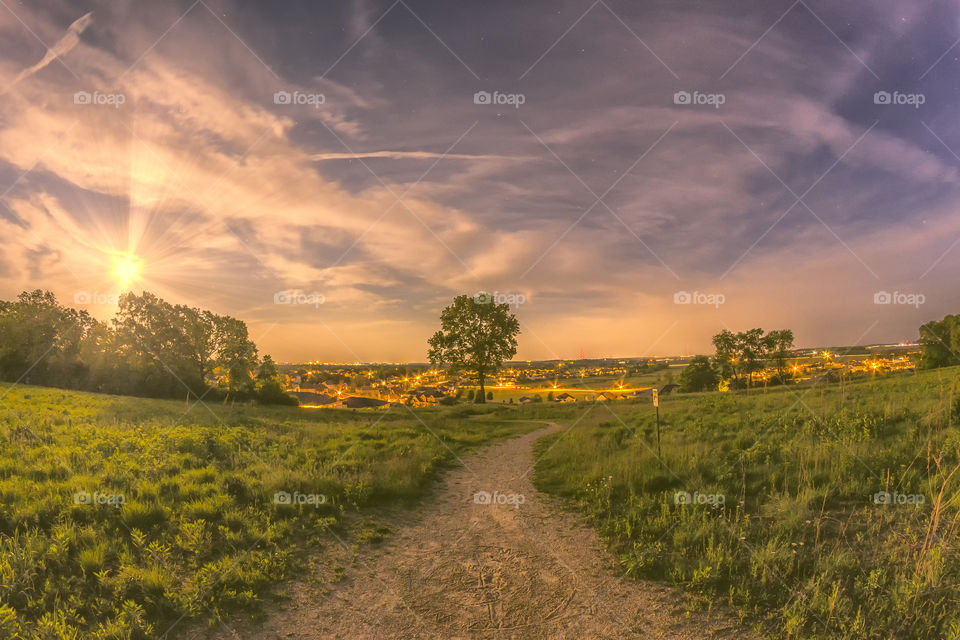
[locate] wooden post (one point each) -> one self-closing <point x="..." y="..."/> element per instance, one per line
<point x="656" y="404"/>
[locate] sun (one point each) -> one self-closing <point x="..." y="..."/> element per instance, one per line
<point x="127" y="269"/>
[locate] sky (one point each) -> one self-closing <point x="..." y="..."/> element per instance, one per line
<point x="632" y="177"/>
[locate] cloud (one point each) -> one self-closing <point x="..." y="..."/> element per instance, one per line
<point x="415" y="155"/>
<point x="229" y="197"/>
<point x="62" y="47"/>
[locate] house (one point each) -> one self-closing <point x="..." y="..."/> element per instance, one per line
<point x="447" y="387"/>
<point x="607" y="395"/>
<point x="425" y="396"/>
<point x="421" y="399"/>
<point x="564" y="397"/>
<point x="311" y="399"/>
<point x="428" y="391"/>
<point x="359" y="402"/>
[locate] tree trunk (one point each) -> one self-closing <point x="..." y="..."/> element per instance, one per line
<point x="482" y="398"/>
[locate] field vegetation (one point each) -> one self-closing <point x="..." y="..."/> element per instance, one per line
<point x="814" y="510"/>
<point x="124" y="517"/>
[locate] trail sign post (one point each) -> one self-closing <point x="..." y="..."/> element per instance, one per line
<point x="656" y="404"/>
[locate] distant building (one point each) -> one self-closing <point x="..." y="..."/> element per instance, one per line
<point x="358" y="402"/>
<point x="309" y="398"/>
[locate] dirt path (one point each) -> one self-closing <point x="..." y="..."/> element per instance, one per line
<point x="459" y="569"/>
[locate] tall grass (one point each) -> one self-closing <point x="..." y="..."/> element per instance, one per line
<point x="798" y="546"/>
<point x="198" y="533"/>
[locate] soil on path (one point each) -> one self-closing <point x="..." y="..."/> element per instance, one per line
<point x="458" y="568"/>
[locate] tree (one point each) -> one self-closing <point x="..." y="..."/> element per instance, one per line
<point x="236" y="353"/>
<point x="727" y="351"/>
<point x="699" y="375"/>
<point x="940" y="343"/>
<point x="476" y="335"/>
<point x="199" y="332"/>
<point x="778" y="344"/>
<point x="268" y="386"/>
<point x="752" y="351"/>
<point x="150" y="347"/>
<point x="41" y="340"/>
<point x="744" y="353"/>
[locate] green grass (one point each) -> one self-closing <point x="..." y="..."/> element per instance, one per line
<point x="798" y="547"/>
<point x="188" y="527"/>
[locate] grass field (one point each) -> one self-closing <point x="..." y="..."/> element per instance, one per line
<point x="120" y="517"/>
<point x="769" y="501"/>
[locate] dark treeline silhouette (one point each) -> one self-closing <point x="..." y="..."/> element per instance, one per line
<point x="940" y="343"/>
<point x="150" y="348"/>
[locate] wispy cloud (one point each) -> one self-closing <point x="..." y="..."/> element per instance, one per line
<point x="62" y="47"/>
<point x="417" y="155"/>
<point x="230" y="196"/>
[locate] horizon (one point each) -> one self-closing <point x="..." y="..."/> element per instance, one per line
<point x="608" y="357"/>
<point x="334" y="176"/>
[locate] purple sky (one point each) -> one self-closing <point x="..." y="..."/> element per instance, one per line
<point x="790" y="196"/>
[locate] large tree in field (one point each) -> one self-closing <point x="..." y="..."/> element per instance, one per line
<point x="477" y="335"/>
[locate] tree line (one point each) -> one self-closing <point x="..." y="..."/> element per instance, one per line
<point x="150" y="348"/>
<point x="737" y="357"/>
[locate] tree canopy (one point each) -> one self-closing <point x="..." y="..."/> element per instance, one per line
<point x="476" y="335"/>
<point x="739" y="355"/>
<point x="940" y="342"/>
<point x="699" y="375"/>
